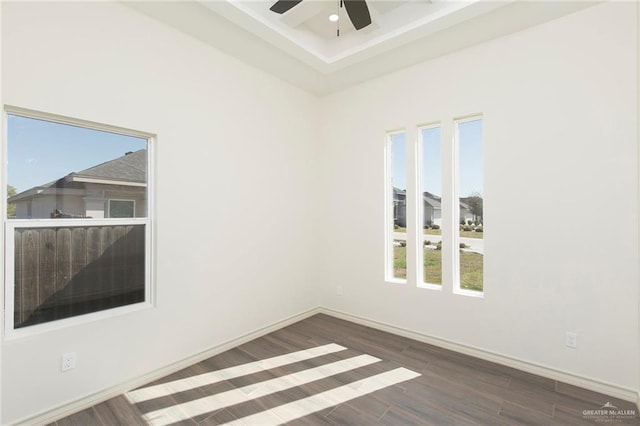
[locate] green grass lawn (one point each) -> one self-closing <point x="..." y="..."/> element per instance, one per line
<point x="471" y="267"/>
<point x="399" y="262"/>
<point x="471" y="271"/>
<point x="433" y="266"/>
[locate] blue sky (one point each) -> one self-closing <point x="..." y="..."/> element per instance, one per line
<point x="470" y="159"/>
<point x="40" y="151"/>
<point x="431" y="161"/>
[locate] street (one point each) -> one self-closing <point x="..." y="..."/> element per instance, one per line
<point x="475" y="245"/>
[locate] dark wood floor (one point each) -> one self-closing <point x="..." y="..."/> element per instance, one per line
<point x="452" y="389"/>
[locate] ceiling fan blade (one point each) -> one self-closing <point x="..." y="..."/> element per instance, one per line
<point x="281" y="6"/>
<point x="358" y="13"/>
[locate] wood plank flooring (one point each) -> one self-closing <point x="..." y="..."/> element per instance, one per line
<point x="306" y="373"/>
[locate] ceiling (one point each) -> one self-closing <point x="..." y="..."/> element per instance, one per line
<point x="301" y="46"/>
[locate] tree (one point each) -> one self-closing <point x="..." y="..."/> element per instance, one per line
<point x="11" y="207"/>
<point x="474" y="201"/>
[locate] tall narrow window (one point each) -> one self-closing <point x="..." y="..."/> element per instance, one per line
<point x="470" y="213"/>
<point x="396" y="198"/>
<point x="78" y="237"/>
<point x="431" y="199"/>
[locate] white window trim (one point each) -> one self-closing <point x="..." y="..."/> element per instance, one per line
<point x="12" y="225"/>
<point x="388" y="216"/>
<point x="61" y="119"/>
<point x="456" y="207"/>
<point x="421" y="283"/>
<point x="121" y="199"/>
<point x="9" y="333"/>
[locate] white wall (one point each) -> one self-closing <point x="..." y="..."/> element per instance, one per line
<point x="560" y="119"/>
<point x="560" y="107"/>
<point x="235" y="194"/>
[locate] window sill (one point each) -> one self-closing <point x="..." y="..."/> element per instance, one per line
<point x="38" y="329"/>
<point x="395" y="281"/>
<point x="469" y="293"/>
<point x="428" y="286"/>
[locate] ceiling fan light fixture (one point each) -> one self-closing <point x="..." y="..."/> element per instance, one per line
<point x="334" y="17"/>
<point x="357" y="10"/>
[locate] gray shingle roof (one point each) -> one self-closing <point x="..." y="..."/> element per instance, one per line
<point x="130" y="167"/>
<point x="432" y="200"/>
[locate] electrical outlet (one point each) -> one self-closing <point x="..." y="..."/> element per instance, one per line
<point x="571" y="340"/>
<point x="339" y="291"/>
<point x="68" y="361"/>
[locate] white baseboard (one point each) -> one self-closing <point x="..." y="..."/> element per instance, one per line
<point x="65" y="410"/>
<point x="595" y="385"/>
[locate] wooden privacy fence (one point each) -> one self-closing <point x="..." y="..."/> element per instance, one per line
<point x="67" y="271"/>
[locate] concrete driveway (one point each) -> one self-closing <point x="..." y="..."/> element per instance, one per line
<point x="475" y="245"/>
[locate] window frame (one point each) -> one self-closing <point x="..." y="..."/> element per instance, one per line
<point x="389" y="214"/>
<point x="420" y="282"/>
<point x="10" y="225"/>
<point x="457" y="289"/>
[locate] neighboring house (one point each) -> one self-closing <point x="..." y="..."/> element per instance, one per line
<point x="472" y="204"/>
<point x="465" y="212"/>
<point x="400" y="207"/>
<point x="432" y="209"/>
<point x="432" y="212"/>
<point x="116" y="188"/>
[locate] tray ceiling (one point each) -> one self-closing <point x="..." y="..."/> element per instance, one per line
<point x="301" y="46"/>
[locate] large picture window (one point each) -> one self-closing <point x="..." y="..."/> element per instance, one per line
<point x="77" y="222"/>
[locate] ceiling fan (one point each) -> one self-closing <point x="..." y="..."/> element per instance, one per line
<point x="356" y="9"/>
